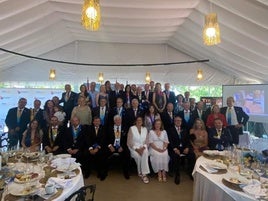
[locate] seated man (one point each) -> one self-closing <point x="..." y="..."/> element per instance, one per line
<point x="76" y="144"/>
<point x="117" y="143"/>
<point x="219" y="137"/>
<point x="179" y="147"/>
<point x="97" y="148"/>
<point x="53" y="138"/>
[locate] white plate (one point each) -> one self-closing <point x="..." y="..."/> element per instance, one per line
<point x="17" y="180"/>
<point x="23" y="192"/>
<point x="214" y="152"/>
<point x="63" y="156"/>
<point x="216" y="165"/>
<point x="235" y="179"/>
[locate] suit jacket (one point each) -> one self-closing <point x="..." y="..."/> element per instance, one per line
<point x="150" y="96"/>
<point x="242" y="117"/>
<point x="167" y="120"/>
<point x="40" y="118"/>
<point x="97" y="139"/>
<point x="171" y="98"/>
<point x="11" y="119"/>
<point x="187" y="125"/>
<point x="180" y="142"/>
<point x="114" y="112"/>
<point x="225" y="139"/>
<point x="59" y="140"/>
<point x="195" y="115"/>
<point x="80" y="142"/>
<point x="123" y="137"/>
<point x="69" y="104"/>
<point x="96" y="113"/>
<point x="130" y="116"/>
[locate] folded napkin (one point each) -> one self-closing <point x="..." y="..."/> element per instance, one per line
<point x="254" y="189"/>
<point x="209" y="169"/>
<point x="60" y="183"/>
<point x="65" y="164"/>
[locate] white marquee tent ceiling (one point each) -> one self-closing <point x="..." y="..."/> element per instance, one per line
<point x="37" y="27"/>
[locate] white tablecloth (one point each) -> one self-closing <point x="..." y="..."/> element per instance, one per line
<point x="252" y="142"/>
<point x="209" y="187"/>
<point x="76" y="183"/>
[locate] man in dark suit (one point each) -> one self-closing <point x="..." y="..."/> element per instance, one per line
<point x="118" y="110"/>
<point x="102" y="112"/>
<point x="53" y="138"/>
<point x="236" y="119"/>
<point x="76" y="143"/>
<point x="180" y="147"/>
<point x="68" y="99"/>
<point x="117" y="144"/>
<point x="219" y="137"/>
<point x="37" y="113"/>
<point x="187" y="117"/>
<point x="17" y="120"/>
<point x="133" y="112"/>
<point x="198" y="112"/>
<point x="167" y="116"/>
<point x="147" y="97"/>
<point x="97" y="148"/>
<point x="171" y="98"/>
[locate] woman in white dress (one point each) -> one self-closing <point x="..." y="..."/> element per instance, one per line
<point x="158" y="141"/>
<point x="138" y="145"/>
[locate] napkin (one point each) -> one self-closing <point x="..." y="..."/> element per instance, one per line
<point x="254" y="189"/>
<point x="60" y="183"/>
<point x="62" y="162"/>
<point x="209" y="169"/>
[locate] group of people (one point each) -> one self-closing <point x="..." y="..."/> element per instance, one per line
<point x="153" y="126"/>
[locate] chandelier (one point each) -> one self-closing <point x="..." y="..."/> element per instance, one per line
<point x="211" y="31"/>
<point x="147" y="77"/>
<point x="101" y="78"/>
<point x="91" y="15"/>
<point x="52" y="74"/>
<point x="199" y="74"/>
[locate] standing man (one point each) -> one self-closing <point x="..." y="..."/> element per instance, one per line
<point x="93" y="93"/>
<point x="171" y="98"/>
<point x="102" y="112"/>
<point x="37" y="113"/>
<point x="17" y="120"/>
<point x="236" y="118"/>
<point x="68" y="99"/>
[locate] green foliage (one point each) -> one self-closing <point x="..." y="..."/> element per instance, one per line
<point x="199" y="91"/>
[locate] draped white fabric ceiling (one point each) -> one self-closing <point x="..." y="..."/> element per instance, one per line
<point x="39" y="27"/>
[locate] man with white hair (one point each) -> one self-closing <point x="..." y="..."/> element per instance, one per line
<point x="117" y="144"/>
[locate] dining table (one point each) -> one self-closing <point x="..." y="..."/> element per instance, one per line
<point x="215" y="184"/>
<point x="66" y="181"/>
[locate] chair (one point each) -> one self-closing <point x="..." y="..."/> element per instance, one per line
<point x="85" y="193"/>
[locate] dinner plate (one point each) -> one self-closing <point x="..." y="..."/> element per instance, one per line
<point x="63" y="156"/>
<point x="214" y="152"/>
<point x="22" y="178"/>
<point x="235" y="179"/>
<point x="216" y="165"/>
<point x="23" y="192"/>
<point x="32" y="155"/>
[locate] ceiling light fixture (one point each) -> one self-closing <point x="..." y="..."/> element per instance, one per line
<point x="211" y="31"/>
<point x="91" y="15"/>
<point x="52" y="74"/>
<point x="101" y="78"/>
<point x="147" y="77"/>
<point x="199" y="74"/>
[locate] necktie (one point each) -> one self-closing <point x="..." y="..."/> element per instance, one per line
<point x="229" y="117"/>
<point x="135" y="112"/>
<point x="19" y="115"/>
<point x="186" y="116"/>
<point x="96" y="130"/>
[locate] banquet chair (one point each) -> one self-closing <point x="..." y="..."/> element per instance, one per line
<point x="85" y="193"/>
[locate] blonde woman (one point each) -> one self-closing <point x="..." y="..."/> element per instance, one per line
<point x="199" y="137"/>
